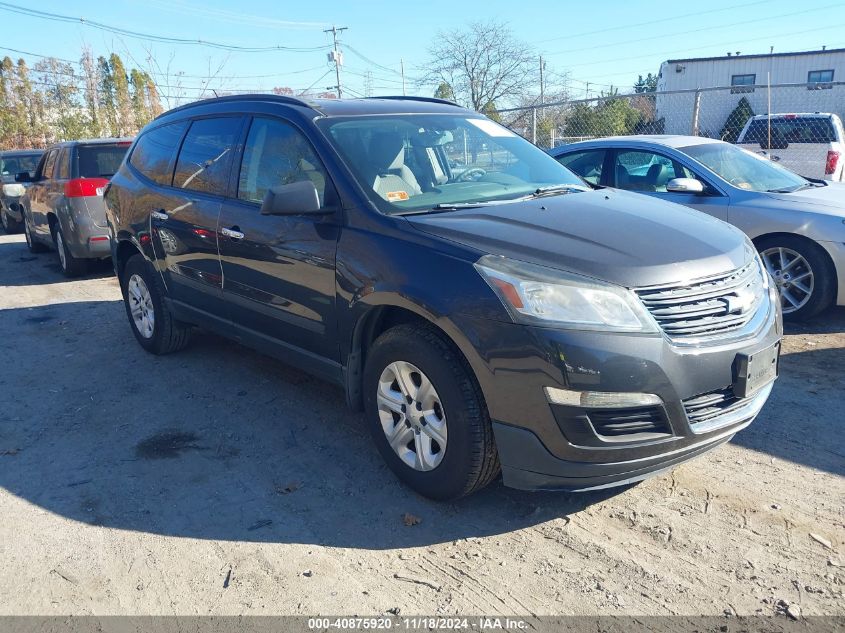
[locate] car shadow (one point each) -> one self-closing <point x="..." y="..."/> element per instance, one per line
<point x="220" y="442"/>
<point x="216" y="442"/>
<point x="830" y="321"/>
<point x="16" y="262"/>
<point x="802" y="421"/>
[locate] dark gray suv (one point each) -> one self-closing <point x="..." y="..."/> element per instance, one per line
<point x="486" y="309"/>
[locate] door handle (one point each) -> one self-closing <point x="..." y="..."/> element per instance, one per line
<point x="159" y="215"/>
<point x="233" y="233"/>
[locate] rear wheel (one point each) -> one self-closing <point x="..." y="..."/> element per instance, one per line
<point x="31" y="244"/>
<point x="71" y="266"/>
<point x="427" y="415"/>
<point x="803" y="273"/>
<point x="151" y="320"/>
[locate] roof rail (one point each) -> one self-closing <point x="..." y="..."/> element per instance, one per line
<point x="258" y="95"/>
<point x="414" y="98"/>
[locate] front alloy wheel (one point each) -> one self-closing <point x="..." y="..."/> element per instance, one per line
<point x="793" y="277"/>
<point x="412" y="416"/>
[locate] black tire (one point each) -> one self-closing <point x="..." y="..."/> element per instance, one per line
<point x="824" y="274"/>
<point x="32" y="244"/>
<point x="10" y="225"/>
<point x="470" y="461"/>
<point x="168" y="335"/>
<point x="71" y="266"/>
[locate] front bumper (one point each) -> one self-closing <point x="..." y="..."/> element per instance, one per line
<point x="548" y="445"/>
<point x="85" y="239"/>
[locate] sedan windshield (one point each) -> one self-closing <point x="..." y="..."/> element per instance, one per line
<point x="745" y="169"/>
<point x="415" y="162"/>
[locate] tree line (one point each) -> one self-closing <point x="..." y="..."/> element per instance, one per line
<point x="52" y="101"/>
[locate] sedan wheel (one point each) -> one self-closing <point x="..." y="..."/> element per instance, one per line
<point x="793" y="276"/>
<point x="412" y="416"/>
<point x="141" y="306"/>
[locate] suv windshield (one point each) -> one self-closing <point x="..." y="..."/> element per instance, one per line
<point x="744" y="169"/>
<point x="10" y="166"/>
<point x="410" y="162"/>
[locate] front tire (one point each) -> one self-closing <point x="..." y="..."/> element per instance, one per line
<point x="10" y="225"/>
<point x="804" y="275"/>
<point x="427" y="415"/>
<point x="151" y="321"/>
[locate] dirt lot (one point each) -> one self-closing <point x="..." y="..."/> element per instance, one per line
<point x="217" y="481"/>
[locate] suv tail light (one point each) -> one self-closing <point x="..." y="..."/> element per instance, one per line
<point x="85" y="187"/>
<point x="832" y="162"/>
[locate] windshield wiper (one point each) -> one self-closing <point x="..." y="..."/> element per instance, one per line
<point x="556" y="189"/>
<point x="806" y="185"/>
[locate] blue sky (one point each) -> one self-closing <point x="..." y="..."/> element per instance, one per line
<point x="608" y="42"/>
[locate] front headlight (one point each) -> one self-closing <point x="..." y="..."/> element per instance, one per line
<point x="544" y="296"/>
<point x="14" y="190"/>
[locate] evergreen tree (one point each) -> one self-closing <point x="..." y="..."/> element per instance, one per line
<point x="106" y="97"/>
<point x="444" y="91"/>
<point x="7" y="130"/>
<point x="153" y="101"/>
<point x="27" y="109"/>
<point x="140" y="110"/>
<point x="736" y="121"/>
<point x="91" y="86"/>
<point x="123" y="102"/>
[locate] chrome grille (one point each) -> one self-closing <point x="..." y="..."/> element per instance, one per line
<point x="709" y="307"/>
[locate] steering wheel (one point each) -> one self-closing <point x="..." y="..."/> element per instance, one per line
<point x="473" y="173"/>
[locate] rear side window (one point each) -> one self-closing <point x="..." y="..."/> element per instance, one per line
<point x="277" y="154"/>
<point x="206" y="153"/>
<point x="797" y="130"/>
<point x="588" y="165"/>
<point x="99" y="161"/>
<point x="154" y="151"/>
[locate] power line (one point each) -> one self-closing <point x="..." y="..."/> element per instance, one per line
<point x="56" y="17"/>
<point x="701" y="30"/>
<point x="336" y="56"/>
<point x="570" y="36"/>
<point x="707" y="46"/>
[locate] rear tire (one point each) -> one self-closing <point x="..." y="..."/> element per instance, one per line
<point x="71" y="266"/>
<point x="31" y="243"/>
<point x="798" y="264"/>
<point x="144" y="295"/>
<point x="469" y="461"/>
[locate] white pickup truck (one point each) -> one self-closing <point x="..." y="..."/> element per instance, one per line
<point x="810" y="144"/>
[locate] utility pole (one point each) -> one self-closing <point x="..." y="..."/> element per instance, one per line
<point x="542" y="86"/>
<point x="337" y="57"/>
<point x="402" y="68"/>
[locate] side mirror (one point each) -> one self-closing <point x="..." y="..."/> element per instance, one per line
<point x="685" y="185"/>
<point x="297" y="198"/>
<point x="23" y="176"/>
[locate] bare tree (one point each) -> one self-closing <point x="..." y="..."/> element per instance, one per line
<point x="485" y="65"/>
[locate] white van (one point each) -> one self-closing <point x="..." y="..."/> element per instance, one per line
<point x="810" y="144"/>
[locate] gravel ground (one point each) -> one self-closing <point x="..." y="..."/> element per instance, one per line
<point x="217" y="481"/>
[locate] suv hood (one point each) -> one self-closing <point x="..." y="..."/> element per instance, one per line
<point x="828" y="199"/>
<point x="623" y="238"/>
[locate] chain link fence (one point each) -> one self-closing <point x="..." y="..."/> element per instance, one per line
<point x="720" y="112"/>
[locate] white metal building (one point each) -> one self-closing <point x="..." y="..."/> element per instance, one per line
<point x="819" y="74"/>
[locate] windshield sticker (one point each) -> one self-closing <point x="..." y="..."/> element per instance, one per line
<point x="491" y="128"/>
<point x="397" y="196"/>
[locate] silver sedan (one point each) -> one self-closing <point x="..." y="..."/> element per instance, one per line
<point x="798" y="225"/>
